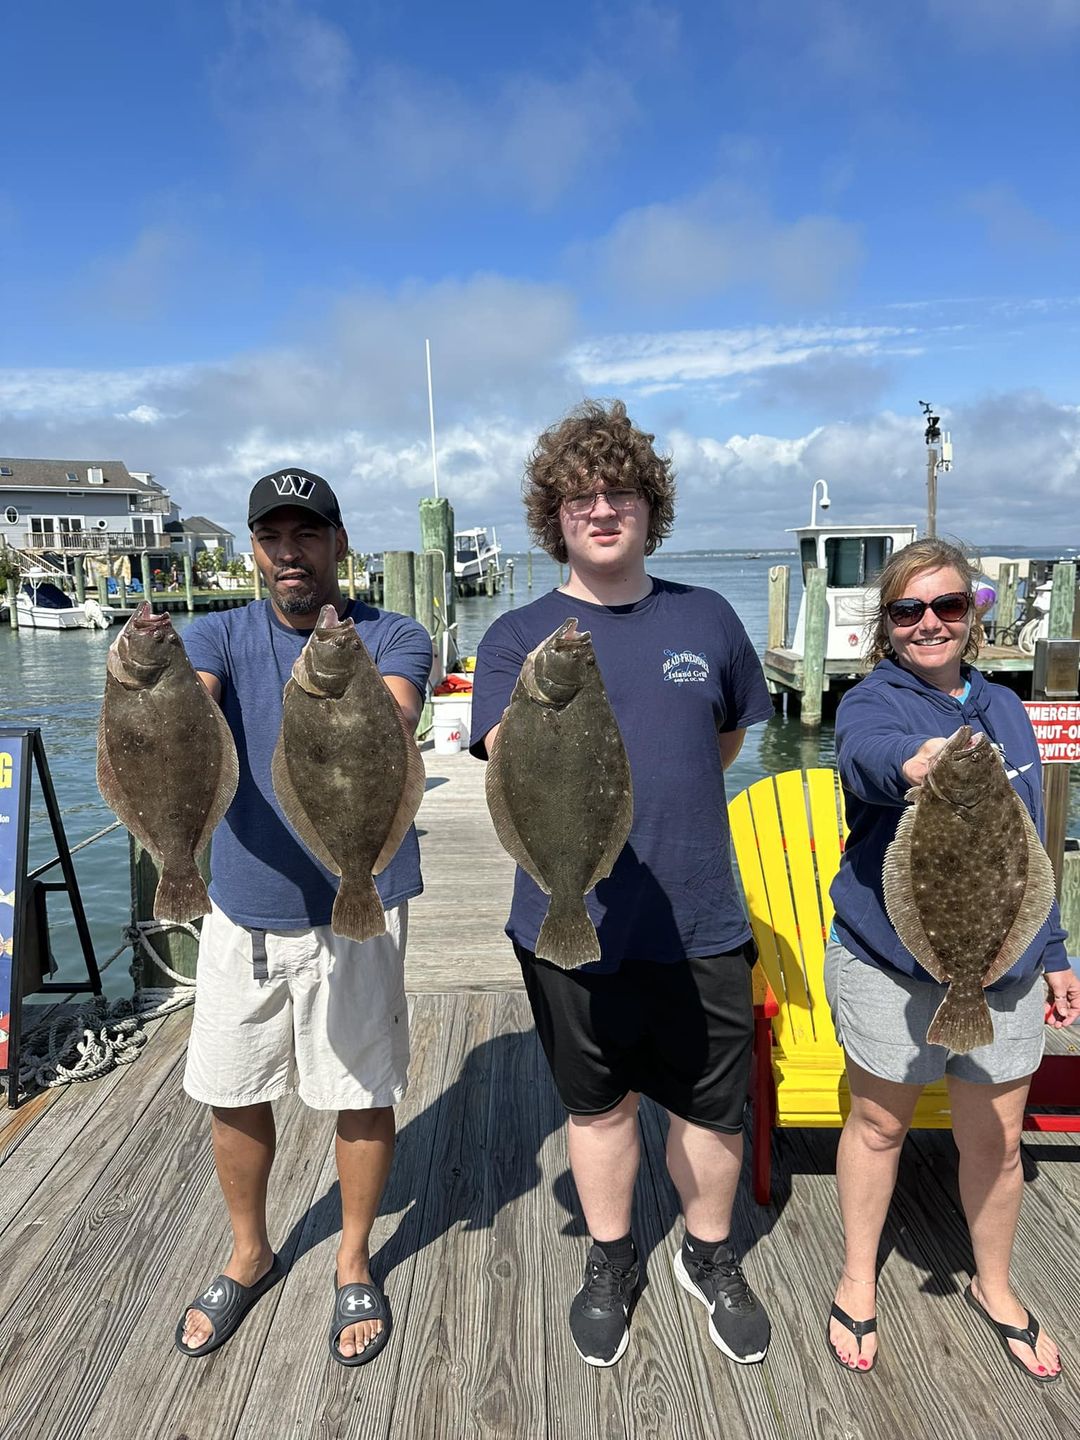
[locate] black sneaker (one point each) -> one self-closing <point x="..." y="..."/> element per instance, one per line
<point x="599" y="1309"/>
<point x="738" y="1324"/>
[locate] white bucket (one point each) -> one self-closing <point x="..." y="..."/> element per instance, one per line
<point x="449" y="726"/>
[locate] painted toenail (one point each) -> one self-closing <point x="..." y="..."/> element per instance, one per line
<point x="1042" y="1369"/>
<point x="863" y="1364"/>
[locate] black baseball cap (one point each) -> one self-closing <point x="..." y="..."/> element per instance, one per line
<point x="293" y="487"/>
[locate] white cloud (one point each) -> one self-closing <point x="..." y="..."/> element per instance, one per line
<point x="697" y="357"/>
<point x="303" y="103"/>
<point x="1010" y="224"/>
<point x="725" y="237"/>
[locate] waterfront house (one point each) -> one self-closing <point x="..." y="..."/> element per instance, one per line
<point x="55" y="509"/>
<point x="198" y="533"/>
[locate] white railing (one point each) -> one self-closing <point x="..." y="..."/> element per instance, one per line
<point x="63" y="541"/>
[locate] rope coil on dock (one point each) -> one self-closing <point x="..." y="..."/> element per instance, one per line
<point x="101" y="1034"/>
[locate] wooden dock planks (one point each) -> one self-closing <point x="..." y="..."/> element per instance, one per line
<point x="111" y="1221"/>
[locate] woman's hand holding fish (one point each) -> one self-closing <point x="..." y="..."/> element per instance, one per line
<point x="914" y="770"/>
<point x="1064" y="1006"/>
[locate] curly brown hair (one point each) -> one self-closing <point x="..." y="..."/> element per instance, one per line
<point x="595" y="444"/>
<point x="914" y="559"/>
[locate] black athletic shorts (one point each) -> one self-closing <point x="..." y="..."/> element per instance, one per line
<point x="681" y="1033"/>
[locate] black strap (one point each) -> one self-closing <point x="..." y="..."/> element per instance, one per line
<point x="259" y="968"/>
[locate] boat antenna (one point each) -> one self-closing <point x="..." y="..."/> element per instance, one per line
<point x="431" y="417"/>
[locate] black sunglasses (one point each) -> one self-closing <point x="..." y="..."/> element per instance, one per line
<point x="950" y="608"/>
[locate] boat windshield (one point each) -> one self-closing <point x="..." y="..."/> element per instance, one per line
<point x="852" y="561"/>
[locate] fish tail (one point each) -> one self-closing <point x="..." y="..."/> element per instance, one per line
<point x="181" y="893"/>
<point x="358" y="912"/>
<point x="963" y="1021"/>
<point x="567" y="937"/>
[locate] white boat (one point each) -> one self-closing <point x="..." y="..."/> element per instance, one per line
<point x="475" y="555"/>
<point x="45" y="602"/>
<point x="852" y="557"/>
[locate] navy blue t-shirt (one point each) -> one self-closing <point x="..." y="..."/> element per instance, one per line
<point x="263" y="876"/>
<point x="678" y="668"/>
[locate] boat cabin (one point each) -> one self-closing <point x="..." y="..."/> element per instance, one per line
<point x="852" y="556"/>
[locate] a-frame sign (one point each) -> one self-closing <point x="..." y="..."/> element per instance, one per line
<point x="24" y="942"/>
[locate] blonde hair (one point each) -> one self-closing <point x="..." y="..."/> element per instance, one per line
<point x="915" y="559"/>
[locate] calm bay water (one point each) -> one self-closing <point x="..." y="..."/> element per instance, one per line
<point x="55" y="680"/>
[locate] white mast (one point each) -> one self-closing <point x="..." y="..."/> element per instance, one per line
<point x="431" y="417"/>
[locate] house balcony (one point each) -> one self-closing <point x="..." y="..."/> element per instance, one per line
<point x="72" y="542"/>
<point x="150" y="505"/>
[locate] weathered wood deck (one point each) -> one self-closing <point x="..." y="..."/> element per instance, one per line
<point x="111" y="1220"/>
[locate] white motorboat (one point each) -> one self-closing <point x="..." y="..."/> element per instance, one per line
<point x="45" y="601"/>
<point x="852" y="556"/>
<point x="475" y="555"/>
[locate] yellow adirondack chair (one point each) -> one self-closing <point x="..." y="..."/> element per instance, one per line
<point x="788" y="831"/>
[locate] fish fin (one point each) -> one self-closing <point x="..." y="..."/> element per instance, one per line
<point x="501" y="818"/>
<point x="181" y="893"/>
<point x="900" y="903"/>
<point x="619" y="833"/>
<point x="568" y="936"/>
<point x="1039" y="893"/>
<point x="962" y="1022"/>
<point x="294" y="812"/>
<point x="112" y="791"/>
<point x="411" y="794"/>
<point x="358" y="911"/>
<point x="227" y="780"/>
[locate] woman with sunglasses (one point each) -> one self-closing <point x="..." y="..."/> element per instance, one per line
<point x="889" y="727"/>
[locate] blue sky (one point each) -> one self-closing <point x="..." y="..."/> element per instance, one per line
<point x="229" y="227"/>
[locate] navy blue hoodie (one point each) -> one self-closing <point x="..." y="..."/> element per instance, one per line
<point x="880" y="724"/>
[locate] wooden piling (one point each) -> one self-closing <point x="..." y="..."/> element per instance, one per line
<point x="256" y="579"/>
<point x="144" y="565"/>
<point x="1070" y="893"/>
<point x="814" y="649"/>
<point x="13" y="609"/>
<point x="121" y="591"/>
<point x="176" y="947"/>
<point x="437" y="533"/>
<point x="779" y="591"/>
<point x="350" y="572"/>
<point x="399" y="581"/>
<point x="528" y="569"/>
<point x="1005" y="605"/>
<point x="189" y="590"/>
<point x="1063" y="601"/>
<point x="80" y="580"/>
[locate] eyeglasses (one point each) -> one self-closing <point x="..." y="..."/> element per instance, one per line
<point x="950" y="608"/>
<point x="617" y="499"/>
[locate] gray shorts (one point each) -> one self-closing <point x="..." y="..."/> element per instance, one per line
<point x="330" y="1019"/>
<point x="881" y="1019"/>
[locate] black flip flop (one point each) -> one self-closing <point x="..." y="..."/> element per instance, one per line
<point x="858" y="1328"/>
<point x="1028" y="1335"/>
<point x="353" y="1303"/>
<point x="225" y="1302"/>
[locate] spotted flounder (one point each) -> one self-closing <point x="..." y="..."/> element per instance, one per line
<point x="166" y="762"/>
<point x="967" y="883"/>
<point x="346" y="769"/>
<point x="559" y="788"/>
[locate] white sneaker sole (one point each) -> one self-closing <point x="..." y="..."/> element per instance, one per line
<point x="683" y="1277"/>
<point x="604" y="1364"/>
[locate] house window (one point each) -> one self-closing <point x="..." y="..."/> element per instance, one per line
<point x="72" y="476"/>
<point x="95" y="475"/>
<point x="11" y="515"/>
<point x="142" y="527"/>
<point x="6" y="470"/>
<point x="856" y="560"/>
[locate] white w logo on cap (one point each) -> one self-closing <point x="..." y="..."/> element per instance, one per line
<point x="301" y="486"/>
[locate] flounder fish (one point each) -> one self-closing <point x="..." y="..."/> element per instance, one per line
<point x="166" y="762"/>
<point x="967" y="883"/>
<point x="559" y="788"/>
<point x="346" y="770"/>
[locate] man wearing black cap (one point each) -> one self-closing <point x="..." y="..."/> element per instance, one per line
<point x="282" y="1002"/>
